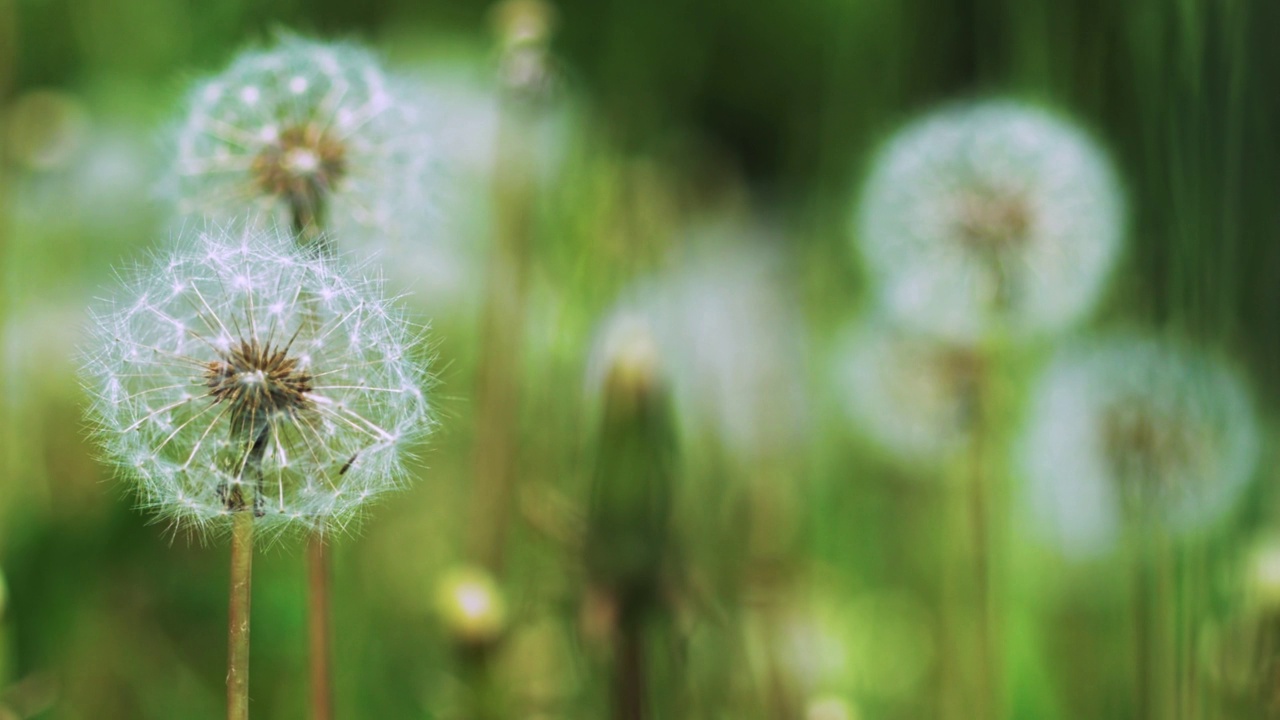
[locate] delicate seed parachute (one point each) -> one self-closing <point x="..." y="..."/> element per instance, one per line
<point x="1136" y="434"/>
<point x="305" y="133"/>
<point x="236" y="375"/>
<point x="995" y="215"/>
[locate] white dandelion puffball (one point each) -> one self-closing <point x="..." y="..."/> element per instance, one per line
<point x="462" y="111"/>
<point x="912" y="395"/>
<point x="304" y="133"/>
<point x="236" y="375"/>
<point x="990" y="216"/>
<point x="1134" y="433"/>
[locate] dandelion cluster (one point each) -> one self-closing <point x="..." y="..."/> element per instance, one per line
<point x="306" y="134"/>
<point x="995" y="216"/>
<point x="236" y="375"/>
<point x="1135" y="433"/>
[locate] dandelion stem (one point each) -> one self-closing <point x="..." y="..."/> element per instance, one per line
<point x="318" y="629"/>
<point x="985" y="502"/>
<point x="308" y="214"/>
<point x="496" y="451"/>
<point x="308" y="211"/>
<point x="979" y="520"/>
<point x="629" y="676"/>
<point x="238" y="617"/>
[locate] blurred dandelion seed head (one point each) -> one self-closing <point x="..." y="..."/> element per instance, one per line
<point x="443" y="258"/>
<point x="730" y="340"/>
<point x="913" y="396"/>
<point x="235" y="372"/>
<point x="1139" y="433"/>
<point x="990" y="216"/>
<point x="304" y="131"/>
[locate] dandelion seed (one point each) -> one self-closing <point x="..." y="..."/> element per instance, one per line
<point x="235" y="376"/>
<point x="1135" y="434"/>
<point x="307" y="134"/>
<point x="990" y="216"/>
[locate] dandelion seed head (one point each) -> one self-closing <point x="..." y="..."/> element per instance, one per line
<point x="1131" y="433"/>
<point x="308" y="130"/>
<point x="994" y="215"/>
<point x="205" y="395"/>
<point x="912" y="395"/>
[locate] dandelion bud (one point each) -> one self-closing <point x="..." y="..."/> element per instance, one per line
<point x="471" y="605"/>
<point x="1135" y="433"/>
<point x="631" y="486"/>
<point x="235" y="375"/>
<point x="991" y="216"/>
<point x="310" y="134"/>
<point x="524" y="29"/>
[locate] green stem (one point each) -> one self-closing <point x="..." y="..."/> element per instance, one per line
<point x="983" y="502"/>
<point x="238" y="617"/>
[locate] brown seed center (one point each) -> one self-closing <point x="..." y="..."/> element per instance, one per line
<point x="1146" y="452"/>
<point x="994" y="222"/>
<point x="258" y="382"/>
<point x="302" y="166"/>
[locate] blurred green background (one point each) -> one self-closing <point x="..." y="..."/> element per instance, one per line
<point x="803" y="577"/>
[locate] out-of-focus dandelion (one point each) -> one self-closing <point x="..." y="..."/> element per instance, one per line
<point x="913" y="395"/>
<point x="46" y="129"/>
<point x="829" y="707"/>
<point x="992" y="216"/>
<point x="234" y="375"/>
<point x="876" y="644"/>
<point x="310" y="134"/>
<point x="1262" y="574"/>
<point x="1135" y="433"/>
<point x="446" y="266"/>
<point x="730" y="339"/>
<point x="471" y="605"/>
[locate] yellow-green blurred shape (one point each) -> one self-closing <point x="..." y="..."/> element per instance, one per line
<point x="524" y="21"/>
<point x="537" y="665"/>
<point x="829" y="707"/>
<point x="45" y="129"/>
<point x="1263" y="574"/>
<point x="471" y="605"/>
<point x="875" y="644"/>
